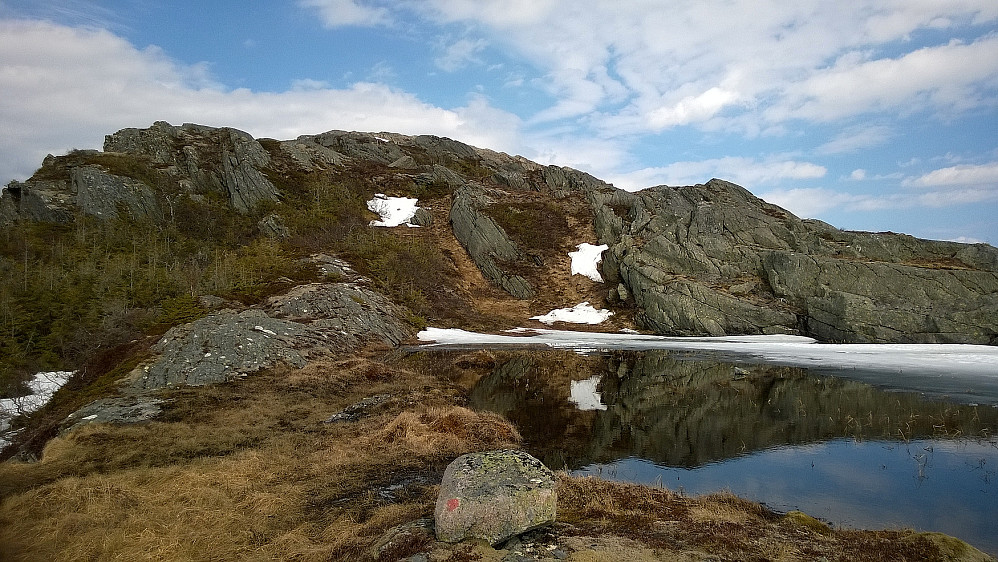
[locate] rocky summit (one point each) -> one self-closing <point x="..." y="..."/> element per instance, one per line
<point x="699" y="260"/>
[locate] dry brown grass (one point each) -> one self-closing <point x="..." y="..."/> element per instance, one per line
<point x="249" y="471"/>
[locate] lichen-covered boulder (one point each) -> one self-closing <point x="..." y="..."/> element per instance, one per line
<point x="493" y="496"/>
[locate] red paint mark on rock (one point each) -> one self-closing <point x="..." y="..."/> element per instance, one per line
<point x="452" y="504"/>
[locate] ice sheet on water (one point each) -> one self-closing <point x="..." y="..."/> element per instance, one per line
<point x="961" y="371"/>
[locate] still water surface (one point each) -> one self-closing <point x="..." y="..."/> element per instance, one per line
<point x="846" y="450"/>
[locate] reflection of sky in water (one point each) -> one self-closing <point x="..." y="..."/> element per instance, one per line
<point x="937" y="485"/>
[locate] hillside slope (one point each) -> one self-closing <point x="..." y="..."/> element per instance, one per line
<point x="234" y="322"/>
<point x="699" y="260"/>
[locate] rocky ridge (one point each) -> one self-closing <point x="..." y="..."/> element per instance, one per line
<point x="708" y="259"/>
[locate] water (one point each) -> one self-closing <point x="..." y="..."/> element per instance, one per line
<point x="844" y="448"/>
<point x="939" y="485"/>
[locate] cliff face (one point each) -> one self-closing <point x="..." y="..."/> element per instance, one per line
<point x="708" y="259"/>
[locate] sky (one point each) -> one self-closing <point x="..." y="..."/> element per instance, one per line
<point x="877" y="115"/>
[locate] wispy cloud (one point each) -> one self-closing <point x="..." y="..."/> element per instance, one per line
<point x="855" y="139"/>
<point x="341" y="13"/>
<point x="460" y="53"/>
<point x="741" y="170"/>
<point x="947" y="78"/>
<point x="640" y="67"/>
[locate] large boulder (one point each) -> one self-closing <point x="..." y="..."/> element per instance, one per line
<point x="493" y="496"/>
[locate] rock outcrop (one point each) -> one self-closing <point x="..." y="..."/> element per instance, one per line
<point x="101" y="194"/>
<point x="225" y="161"/>
<point x="307" y="322"/>
<point x="487" y="243"/>
<point x="494" y="496"/>
<point x="713" y="259"/>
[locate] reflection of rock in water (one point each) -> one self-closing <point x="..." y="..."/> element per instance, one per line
<point x="684" y="412"/>
<point x="505" y="389"/>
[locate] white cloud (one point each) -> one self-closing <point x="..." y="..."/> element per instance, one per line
<point x="962" y="175"/>
<point x="813" y="202"/>
<point x="966" y="240"/>
<point x="747" y="172"/>
<point x="460" y="53"/>
<point x="65" y="87"/>
<point x="341" y="13"/>
<point x="952" y="197"/>
<point x="947" y="78"/>
<point x="956" y="185"/>
<point x="309" y="84"/>
<point x="856" y="139"/>
<point x="597" y="156"/>
<point x="645" y="66"/>
<point x="858" y="175"/>
<point x="692" y="109"/>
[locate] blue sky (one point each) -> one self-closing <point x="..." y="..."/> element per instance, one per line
<point x="870" y="114"/>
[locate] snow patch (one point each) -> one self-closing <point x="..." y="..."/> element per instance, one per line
<point x="393" y="210"/>
<point x="582" y="313"/>
<point x="42" y="387"/>
<point x="584" y="395"/>
<point x="586" y="260"/>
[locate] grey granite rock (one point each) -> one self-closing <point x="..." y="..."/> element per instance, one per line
<point x="205" y="159"/>
<point x="486" y="242"/>
<point x="309" y="321"/>
<point x="102" y="194"/>
<point x="713" y="259"/>
<point x="493" y="496"/>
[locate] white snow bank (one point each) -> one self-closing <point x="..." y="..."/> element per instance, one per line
<point x="584" y="395"/>
<point x="582" y="313"/>
<point x="586" y="261"/>
<point x="392" y="210"/>
<point x="42" y="387"/>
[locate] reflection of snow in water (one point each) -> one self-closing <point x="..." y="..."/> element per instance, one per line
<point x="42" y="387"/>
<point x="584" y="394"/>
